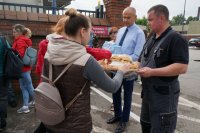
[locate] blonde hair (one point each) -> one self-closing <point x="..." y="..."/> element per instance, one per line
<point x="28" y="32"/>
<point x="59" y="27"/>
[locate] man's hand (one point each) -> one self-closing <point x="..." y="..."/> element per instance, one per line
<point x="145" y="72"/>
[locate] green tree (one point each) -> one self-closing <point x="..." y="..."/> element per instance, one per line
<point x="190" y="18"/>
<point x="177" y="20"/>
<point x="142" y="21"/>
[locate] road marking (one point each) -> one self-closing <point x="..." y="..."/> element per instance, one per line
<point x="194" y="105"/>
<point x="187" y="105"/>
<point x="178" y="131"/>
<point x="136" y="105"/>
<point x="136" y="117"/>
<point x="100" y="130"/>
<point x="189" y="118"/>
<point x="135" y="93"/>
<point x="183" y="102"/>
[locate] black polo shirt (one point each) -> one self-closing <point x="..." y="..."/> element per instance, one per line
<point x="173" y="50"/>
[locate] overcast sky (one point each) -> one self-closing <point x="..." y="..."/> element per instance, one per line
<point x="175" y="6"/>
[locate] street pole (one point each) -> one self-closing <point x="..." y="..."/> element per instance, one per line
<point x="183" y="17"/>
<point x="54" y="7"/>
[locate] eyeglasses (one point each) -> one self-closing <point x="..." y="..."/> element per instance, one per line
<point x="115" y="32"/>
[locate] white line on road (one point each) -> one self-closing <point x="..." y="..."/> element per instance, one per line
<point x="137" y="94"/>
<point x="183" y="102"/>
<point x="136" y="105"/>
<point x="136" y="117"/>
<point x="100" y="130"/>
<point x="194" y="105"/>
<point x="189" y="118"/>
<point x="187" y="105"/>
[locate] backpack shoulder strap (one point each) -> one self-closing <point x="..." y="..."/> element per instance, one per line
<point x="162" y="40"/>
<point x="50" y="79"/>
<point x="82" y="60"/>
<point x="63" y="71"/>
<point x="76" y="97"/>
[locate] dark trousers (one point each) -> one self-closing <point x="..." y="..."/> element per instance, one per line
<point x="41" y="129"/>
<point x="159" y="107"/>
<point x="11" y="92"/>
<point x="3" y="97"/>
<point x="117" y="100"/>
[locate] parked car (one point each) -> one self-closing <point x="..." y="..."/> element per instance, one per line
<point x="194" y="42"/>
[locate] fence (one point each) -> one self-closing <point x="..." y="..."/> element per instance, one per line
<point x="47" y="9"/>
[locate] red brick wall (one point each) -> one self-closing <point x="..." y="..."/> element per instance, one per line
<point x="40" y="25"/>
<point x="114" y="9"/>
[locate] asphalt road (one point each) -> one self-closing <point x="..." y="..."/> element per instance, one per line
<point x="188" y="110"/>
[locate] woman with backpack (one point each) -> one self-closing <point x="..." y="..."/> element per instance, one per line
<point x="83" y="70"/>
<point x="21" y="42"/>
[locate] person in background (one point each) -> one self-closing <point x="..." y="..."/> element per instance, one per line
<point x="131" y="39"/>
<point x="95" y="42"/>
<point x="20" y="44"/>
<point x="111" y="45"/>
<point x="12" y="101"/>
<point x="28" y="33"/>
<point x="3" y="88"/>
<point x="40" y="58"/>
<point x="165" y="56"/>
<point x="145" y="33"/>
<point x="59" y="30"/>
<point x="62" y="51"/>
<point x="90" y="43"/>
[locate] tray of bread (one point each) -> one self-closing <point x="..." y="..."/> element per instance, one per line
<point x="116" y="61"/>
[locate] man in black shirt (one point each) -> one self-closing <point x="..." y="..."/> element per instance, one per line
<point x="164" y="56"/>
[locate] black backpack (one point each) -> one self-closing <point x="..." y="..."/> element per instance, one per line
<point x="13" y="63"/>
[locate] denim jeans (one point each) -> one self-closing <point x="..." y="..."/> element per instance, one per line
<point x="26" y="87"/>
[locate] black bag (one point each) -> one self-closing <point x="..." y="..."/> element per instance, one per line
<point x="13" y="63"/>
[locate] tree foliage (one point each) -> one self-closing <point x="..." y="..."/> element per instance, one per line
<point x="190" y="18"/>
<point x="142" y="21"/>
<point x="176" y="20"/>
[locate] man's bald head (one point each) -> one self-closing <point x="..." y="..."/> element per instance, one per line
<point x="130" y="9"/>
<point x="129" y="16"/>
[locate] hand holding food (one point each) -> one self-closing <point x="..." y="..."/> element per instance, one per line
<point x="125" y="68"/>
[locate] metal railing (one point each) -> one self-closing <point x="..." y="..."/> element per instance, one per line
<point x="46" y="9"/>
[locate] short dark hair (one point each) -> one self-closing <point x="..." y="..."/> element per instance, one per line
<point x="75" y="22"/>
<point x="160" y="10"/>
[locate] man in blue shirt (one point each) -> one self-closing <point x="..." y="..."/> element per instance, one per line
<point x="131" y="39"/>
